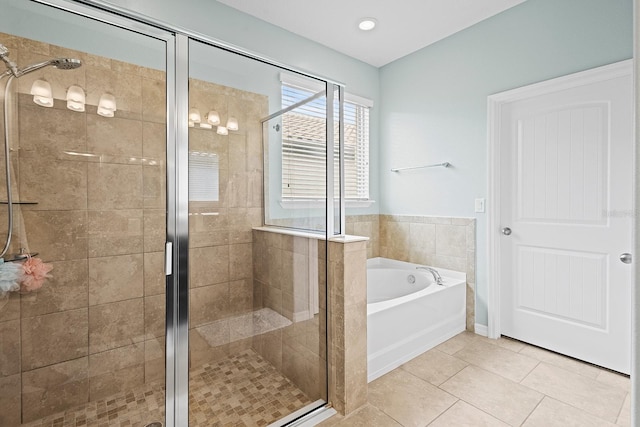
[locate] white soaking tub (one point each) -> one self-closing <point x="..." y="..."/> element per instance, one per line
<point x="407" y="313"/>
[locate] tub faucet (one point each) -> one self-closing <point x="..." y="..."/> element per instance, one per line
<point x="434" y="273"/>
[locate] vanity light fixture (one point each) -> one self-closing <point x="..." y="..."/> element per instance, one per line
<point x="75" y="98"/>
<point x="107" y="105"/>
<point x="367" y="24"/>
<point x="211" y="119"/>
<point x="41" y="91"/>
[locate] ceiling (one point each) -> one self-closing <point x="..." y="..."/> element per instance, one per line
<point x="403" y="26"/>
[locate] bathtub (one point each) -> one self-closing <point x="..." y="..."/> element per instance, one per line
<point x="407" y="313"/>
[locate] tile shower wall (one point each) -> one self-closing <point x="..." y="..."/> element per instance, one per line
<point x="367" y="226"/>
<point x="221" y="294"/>
<point x="96" y="327"/>
<point x="289" y="283"/>
<point x="347" y="282"/>
<point x="443" y="242"/>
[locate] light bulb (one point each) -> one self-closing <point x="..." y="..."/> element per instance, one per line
<point x="75" y="98"/>
<point x="75" y="94"/>
<point x="107" y="102"/>
<point x="41" y="91"/>
<point x="232" y="123"/>
<point x="213" y="118"/>
<point x="75" y="106"/>
<point x="367" y="24"/>
<point x="105" y="112"/>
<point x="222" y="130"/>
<point x="194" y="115"/>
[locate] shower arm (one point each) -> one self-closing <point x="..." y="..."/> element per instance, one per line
<point x="7" y="164"/>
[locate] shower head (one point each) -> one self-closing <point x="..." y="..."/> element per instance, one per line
<point x="59" y="63"/>
<point x="66" y="63"/>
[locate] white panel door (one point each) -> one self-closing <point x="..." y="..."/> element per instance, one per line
<point x="567" y="197"/>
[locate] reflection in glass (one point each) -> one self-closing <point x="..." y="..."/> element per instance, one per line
<point x="89" y="192"/>
<point x="257" y="317"/>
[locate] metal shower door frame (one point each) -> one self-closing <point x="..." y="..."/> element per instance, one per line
<point x="176" y="272"/>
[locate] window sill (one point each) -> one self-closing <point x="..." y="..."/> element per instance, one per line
<point x="320" y="203"/>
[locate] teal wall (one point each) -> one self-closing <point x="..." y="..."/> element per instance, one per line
<point x="434" y="105"/>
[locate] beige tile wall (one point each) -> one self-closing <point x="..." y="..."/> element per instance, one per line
<point x="444" y="242"/>
<point x="101" y="222"/>
<point x="95" y="328"/>
<point x="347" y="272"/>
<point x="286" y="268"/>
<point x="221" y="295"/>
<point x="367" y="226"/>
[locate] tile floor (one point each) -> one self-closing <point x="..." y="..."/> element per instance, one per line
<point x="472" y="381"/>
<point x="243" y="390"/>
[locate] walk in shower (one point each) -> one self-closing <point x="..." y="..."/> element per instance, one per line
<point x="143" y="166"/>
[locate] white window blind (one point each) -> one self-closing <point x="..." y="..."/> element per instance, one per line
<point x="304" y="146"/>
<point x="203" y="177"/>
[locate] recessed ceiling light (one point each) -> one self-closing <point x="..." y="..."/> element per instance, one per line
<point x="367" y="24"/>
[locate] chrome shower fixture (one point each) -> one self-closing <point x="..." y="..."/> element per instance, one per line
<point x="59" y="63"/>
<point x="14" y="72"/>
<point x="12" y="68"/>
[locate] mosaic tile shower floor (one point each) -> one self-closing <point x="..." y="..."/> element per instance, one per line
<point x="242" y="390"/>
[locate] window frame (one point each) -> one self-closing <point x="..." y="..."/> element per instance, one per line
<point x="288" y="202"/>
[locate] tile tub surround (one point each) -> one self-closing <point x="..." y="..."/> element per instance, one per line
<point x="366" y="225"/>
<point x="91" y="330"/>
<point x="444" y="242"/>
<point x="470" y="380"/>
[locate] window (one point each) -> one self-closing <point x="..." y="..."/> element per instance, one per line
<point x="203" y="177"/>
<point x="304" y="146"/>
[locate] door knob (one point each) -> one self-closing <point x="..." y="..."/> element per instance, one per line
<point x="506" y="231"/>
<point x="626" y="258"/>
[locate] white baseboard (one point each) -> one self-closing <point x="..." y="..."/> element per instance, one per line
<point x="481" y="330"/>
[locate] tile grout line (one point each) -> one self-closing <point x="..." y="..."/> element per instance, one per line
<point x="529" y="373"/>
<point x="433" y="385"/>
<point x="622" y="407"/>
<point x="534" y="409"/>
<point x="570" y="404"/>
<point x="446" y="410"/>
<point x="388" y="415"/>
<point x="537" y="365"/>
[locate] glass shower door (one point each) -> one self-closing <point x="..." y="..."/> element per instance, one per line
<point x="257" y="331"/>
<point x="82" y="326"/>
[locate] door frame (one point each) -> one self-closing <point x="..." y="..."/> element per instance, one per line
<point x="494" y="143"/>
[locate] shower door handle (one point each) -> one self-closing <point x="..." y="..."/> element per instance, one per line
<point x="168" y="258"/>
